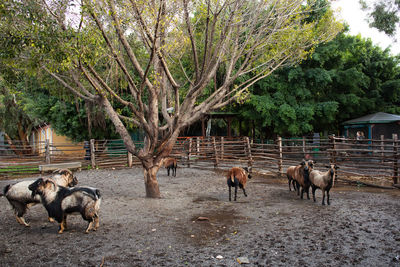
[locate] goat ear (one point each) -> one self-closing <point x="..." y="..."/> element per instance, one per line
<point x="336" y="167"/>
<point x="51" y="183"/>
<point x="326" y="166"/>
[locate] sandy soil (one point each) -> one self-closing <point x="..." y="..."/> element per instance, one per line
<point x="271" y="227"/>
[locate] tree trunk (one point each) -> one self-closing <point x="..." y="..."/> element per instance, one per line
<point x="151" y="183"/>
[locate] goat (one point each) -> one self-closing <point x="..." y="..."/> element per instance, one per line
<point x="301" y="176"/>
<point x="20" y="198"/>
<point x="60" y="201"/>
<point x="170" y="163"/>
<point x="290" y="175"/>
<point x="324" y="181"/>
<point x="237" y="177"/>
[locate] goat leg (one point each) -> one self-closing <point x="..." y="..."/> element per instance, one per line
<point x="244" y="192"/>
<point x="21" y="220"/>
<point x="327" y="195"/>
<point x="62" y="226"/>
<point x="323" y="197"/>
<point x="229" y="193"/>
<point x="294" y="185"/>
<point x="96" y="222"/>
<point x="89" y="226"/>
<point x="235" y="191"/>
<point x="313" y="192"/>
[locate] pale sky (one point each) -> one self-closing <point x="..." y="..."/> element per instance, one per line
<point x="350" y="11"/>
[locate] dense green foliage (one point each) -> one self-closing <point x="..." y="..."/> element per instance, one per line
<point x="384" y="15"/>
<point x="14" y="120"/>
<point x="344" y="79"/>
<point x="25" y="104"/>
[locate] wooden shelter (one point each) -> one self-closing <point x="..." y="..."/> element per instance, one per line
<point x="373" y="126"/>
<point x="226" y="116"/>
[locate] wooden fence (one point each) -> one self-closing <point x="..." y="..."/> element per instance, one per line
<point x="378" y="161"/>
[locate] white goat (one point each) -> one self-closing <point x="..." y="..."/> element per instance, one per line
<point x="324" y="181"/>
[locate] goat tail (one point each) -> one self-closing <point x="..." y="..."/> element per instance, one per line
<point x="5" y="190"/>
<point x="98" y="195"/>
<point x="233" y="178"/>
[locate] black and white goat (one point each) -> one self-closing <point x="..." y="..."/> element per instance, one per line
<point x="20" y="197"/>
<point x="237" y="177"/>
<point x="324" y="181"/>
<point x="60" y="201"/>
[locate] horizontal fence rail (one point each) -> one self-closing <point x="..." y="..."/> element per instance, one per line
<point x="375" y="160"/>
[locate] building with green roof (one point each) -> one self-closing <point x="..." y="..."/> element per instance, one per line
<point x="373" y="126"/>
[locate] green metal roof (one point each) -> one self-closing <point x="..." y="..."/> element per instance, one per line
<point x="380" y="117"/>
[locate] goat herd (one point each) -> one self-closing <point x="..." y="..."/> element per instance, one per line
<point x="301" y="176"/>
<point x="60" y="197"/>
<point x="304" y="176"/>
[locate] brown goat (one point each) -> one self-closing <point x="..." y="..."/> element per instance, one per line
<point x="290" y="175"/>
<point x="301" y="176"/>
<point x="170" y="163"/>
<point x="237" y="177"/>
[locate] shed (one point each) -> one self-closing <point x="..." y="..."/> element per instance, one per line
<point x="374" y="126"/>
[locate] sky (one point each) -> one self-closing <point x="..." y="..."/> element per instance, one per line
<point x="350" y="11"/>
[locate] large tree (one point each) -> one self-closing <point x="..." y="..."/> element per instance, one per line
<point x="164" y="55"/>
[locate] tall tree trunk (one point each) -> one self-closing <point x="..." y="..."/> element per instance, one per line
<point x="151" y="183"/>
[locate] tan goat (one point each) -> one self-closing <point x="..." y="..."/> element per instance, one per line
<point x="237" y="177"/>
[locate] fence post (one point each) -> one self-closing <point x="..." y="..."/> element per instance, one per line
<point x="198" y="145"/>
<point x="130" y="159"/>
<point x="248" y="149"/>
<point x="222" y="148"/>
<point x="92" y="153"/>
<point x="396" y="159"/>
<point x="333" y="153"/>
<point x="47" y="151"/>
<point x="382" y="148"/>
<point x="215" y="152"/>
<point x="189" y="152"/>
<point x="304" y="146"/>
<point x="280" y="160"/>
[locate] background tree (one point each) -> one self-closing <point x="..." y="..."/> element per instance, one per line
<point x="14" y="121"/>
<point x="384" y="15"/>
<point x="101" y="49"/>
<point x="345" y="78"/>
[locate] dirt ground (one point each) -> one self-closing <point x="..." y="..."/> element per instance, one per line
<point x="271" y="227"/>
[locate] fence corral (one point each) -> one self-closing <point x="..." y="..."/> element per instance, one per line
<point x="370" y="161"/>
